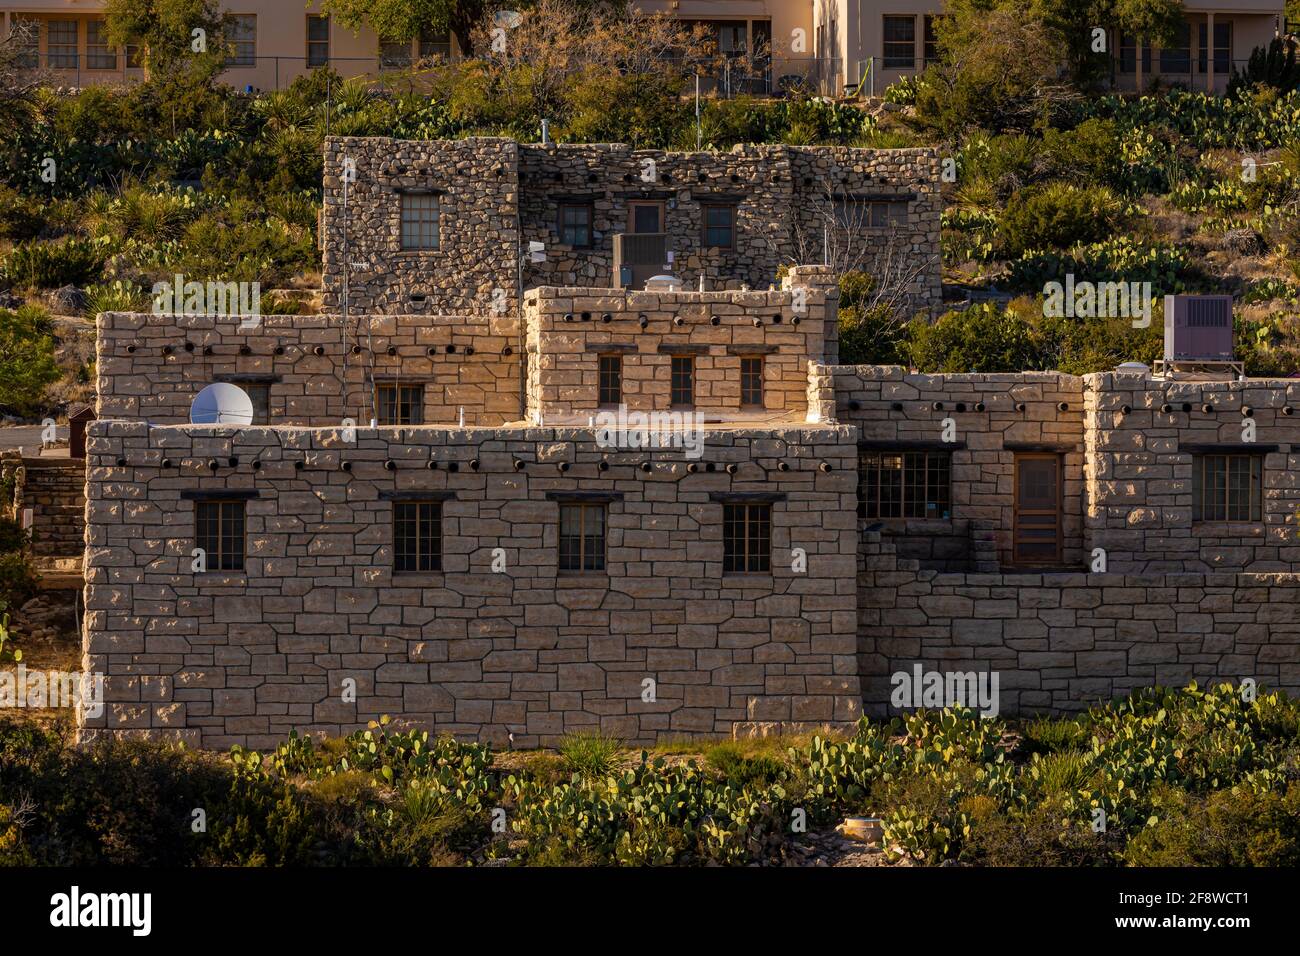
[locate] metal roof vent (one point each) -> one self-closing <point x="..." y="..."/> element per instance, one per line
<point x="663" y="283"/>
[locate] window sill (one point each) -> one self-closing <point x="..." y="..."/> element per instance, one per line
<point x="220" y="578"/>
<point x="581" y="580"/>
<point x="1232" y="527"/>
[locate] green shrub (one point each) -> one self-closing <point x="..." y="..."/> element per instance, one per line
<point x="20" y="217"/>
<point x="1122" y="259"/>
<point x="1059" y="215"/>
<point x="741" y="769"/>
<point x="50" y="265"/>
<point x="1051" y="735"/>
<point x="1235" y="827"/>
<point x="982" y="338"/>
<point x="27" y="364"/>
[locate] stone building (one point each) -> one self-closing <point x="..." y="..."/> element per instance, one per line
<point x="643" y="511"/>
<point x="442" y="227"/>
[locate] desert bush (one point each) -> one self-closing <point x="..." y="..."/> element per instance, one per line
<point x="981" y="338"/>
<point x="27" y="363"/>
<point x="1234" y="827"/>
<point x="48" y="265"/>
<point x="1059" y="215"/>
<point x="120" y="295"/>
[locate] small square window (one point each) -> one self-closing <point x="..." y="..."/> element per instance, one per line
<point x="575" y="225"/>
<point x="611" y="380"/>
<point x="751" y="381"/>
<point x="417" y="536"/>
<point x="1227" y="487"/>
<point x="219" y="532"/>
<point x="399" y="404"/>
<point x="434" y="43"/>
<point x="746" y="538"/>
<point x="420" y="221"/>
<point x="582" y="537"/>
<point x="720" y="226"/>
<point x="683" y="381"/>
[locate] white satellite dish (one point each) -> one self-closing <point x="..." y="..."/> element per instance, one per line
<point x="222" y="403"/>
<point x="509" y="19"/>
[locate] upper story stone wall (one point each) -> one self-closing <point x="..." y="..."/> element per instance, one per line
<point x="150" y="366"/>
<point x="568" y="330"/>
<point x="474" y="268"/>
<point x="496" y="196"/>
<point x="1144" y="437"/>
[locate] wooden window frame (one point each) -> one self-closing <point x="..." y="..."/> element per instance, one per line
<point x="212" y="517"/>
<point x="676" y="392"/>
<point x="103" y="49"/>
<point x="238" y="60"/>
<point x="935" y="468"/>
<point x="425" y="231"/>
<point x="419" y="552"/>
<point x="315" y="44"/>
<point x="582" y="556"/>
<point x="746" y="538"/>
<point x="730" y="227"/>
<point x="1227" y="507"/>
<point x="751" y="394"/>
<point x="75" y="55"/>
<point x="896" y="61"/>
<point x="399" y="400"/>
<point x="562" y="227"/>
<point x="609" y="381"/>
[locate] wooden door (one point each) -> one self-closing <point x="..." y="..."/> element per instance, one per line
<point x="1036" y="537"/>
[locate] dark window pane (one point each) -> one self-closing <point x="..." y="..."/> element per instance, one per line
<point x="683" y="380"/>
<point x="746" y="538"/>
<point x="417" y="536"/>
<point x="582" y="537"/>
<point x="420" y="220"/>
<point x="751" y="381"/>
<point x="611" y="380"/>
<point x="575" y="226"/>
<point x="900" y="42"/>
<point x="907" y="485"/>
<point x="219" y="531"/>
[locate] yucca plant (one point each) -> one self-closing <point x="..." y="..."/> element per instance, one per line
<point x="589" y="754"/>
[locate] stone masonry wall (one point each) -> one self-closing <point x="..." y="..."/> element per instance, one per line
<point x="567" y="331"/>
<point x="496" y="196"/>
<point x="1142" y="434"/>
<point x="145" y="370"/>
<point x="222" y="658"/>
<point x="55" y="490"/>
<point x="1062" y="641"/>
<point x="995" y="416"/>
<point x="475" y="268"/>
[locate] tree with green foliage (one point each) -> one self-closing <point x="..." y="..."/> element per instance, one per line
<point x="27" y="363"/>
<point x="407" y="19"/>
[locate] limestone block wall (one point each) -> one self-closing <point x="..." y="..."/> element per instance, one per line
<point x="151" y="366"/>
<point x="222" y="658"/>
<point x="1063" y="641"/>
<point x="474" y="270"/>
<point x="54" y="490"/>
<point x="1142" y="434"/>
<point x="995" y="417"/>
<point x="569" y="329"/>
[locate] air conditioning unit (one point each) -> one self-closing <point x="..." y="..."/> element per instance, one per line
<point x="1198" y="328"/>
